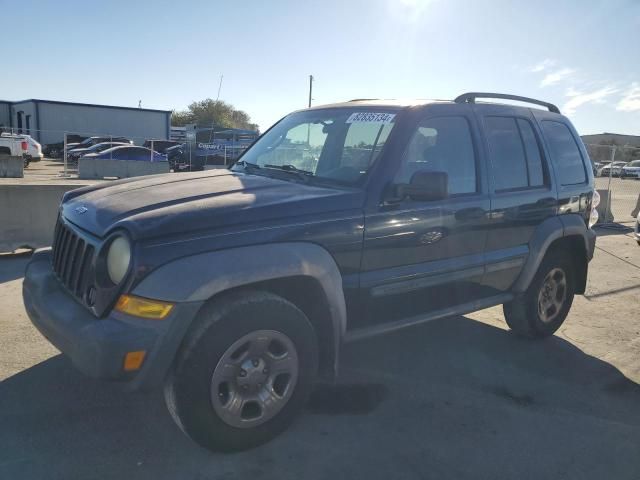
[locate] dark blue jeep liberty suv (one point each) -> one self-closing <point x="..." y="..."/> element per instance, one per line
<point x="235" y="289"/>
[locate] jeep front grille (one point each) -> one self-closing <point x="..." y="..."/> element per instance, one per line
<point x="71" y="259"/>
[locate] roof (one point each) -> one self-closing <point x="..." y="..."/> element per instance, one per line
<point x="57" y="102"/>
<point x="378" y="102"/>
<point x="465" y="98"/>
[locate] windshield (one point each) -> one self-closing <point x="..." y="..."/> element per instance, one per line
<point x="338" y="144"/>
<point x="635" y="163"/>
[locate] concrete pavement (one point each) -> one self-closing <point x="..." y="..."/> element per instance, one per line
<point x="456" y="398"/>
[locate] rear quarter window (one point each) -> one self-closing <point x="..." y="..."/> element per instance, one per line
<point x="565" y="154"/>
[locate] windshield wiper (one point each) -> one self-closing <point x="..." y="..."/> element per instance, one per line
<point x="302" y="174"/>
<point x="245" y="164"/>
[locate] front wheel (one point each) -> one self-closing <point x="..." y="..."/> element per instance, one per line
<point x="542" y="309"/>
<point x="245" y="371"/>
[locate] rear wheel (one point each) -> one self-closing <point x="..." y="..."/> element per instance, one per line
<point x="541" y="310"/>
<point x="244" y="372"/>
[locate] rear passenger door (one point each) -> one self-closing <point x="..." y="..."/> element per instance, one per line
<point x="521" y="190"/>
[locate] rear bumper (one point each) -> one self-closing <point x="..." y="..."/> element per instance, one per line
<point x="97" y="346"/>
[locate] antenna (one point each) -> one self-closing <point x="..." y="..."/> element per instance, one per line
<point x="219" y="87"/>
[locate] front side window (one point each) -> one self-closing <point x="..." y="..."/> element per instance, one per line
<point x="337" y="144"/>
<point x="442" y="144"/>
<point x="565" y="153"/>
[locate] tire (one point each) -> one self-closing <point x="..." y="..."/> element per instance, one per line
<point x="206" y="381"/>
<point x="523" y="315"/>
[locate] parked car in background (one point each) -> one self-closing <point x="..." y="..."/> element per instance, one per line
<point x="88" y="142"/>
<point x="56" y="150"/>
<point x="631" y="169"/>
<point x="34" y="149"/>
<point x="613" y="169"/>
<point x="129" y="152"/>
<point x="76" y="153"/>
<point x="180" y="160"/>
<point x="160" y="146"/>
<point x="16" y="147"/>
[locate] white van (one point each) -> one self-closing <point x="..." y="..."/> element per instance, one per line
<point x="33" y="149"/>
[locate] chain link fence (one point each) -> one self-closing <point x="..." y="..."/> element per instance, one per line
<point x="617" y="175"/>
<point x="206" y="148"/>
<point x="71" y="146"/>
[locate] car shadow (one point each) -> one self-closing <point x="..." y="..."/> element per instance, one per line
<point x="12" y="265"/>
<point x="614" y="229"/>
<point x="453" y="398"/>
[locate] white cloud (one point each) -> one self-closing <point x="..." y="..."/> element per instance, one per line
<point x="572" y="92"/>
<point x="543" y="65"/>
<point x="555" y="77"/>
<point x="577" y="99"/>
<point x="410" y="10"/>
<point x="630" y="101"/>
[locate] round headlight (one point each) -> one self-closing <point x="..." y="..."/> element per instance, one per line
<point x="118" y="259"/>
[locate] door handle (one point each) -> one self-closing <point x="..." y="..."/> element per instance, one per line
<point x="470" y="213"/>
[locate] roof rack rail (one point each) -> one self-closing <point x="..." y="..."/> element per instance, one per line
<point x="362" y="99"/>
<point x="470" y="97"/>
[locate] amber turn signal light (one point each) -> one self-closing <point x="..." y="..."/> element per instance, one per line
<point x="143" y="307"/>
<point x="133" y="360"/>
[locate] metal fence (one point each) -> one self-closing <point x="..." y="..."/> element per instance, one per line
<point x="621" y="187"/>
<point x="62" y="151"/>
<point x="193" y="154"/>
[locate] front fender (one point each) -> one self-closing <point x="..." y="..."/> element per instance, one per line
<point x="199" y="277"/>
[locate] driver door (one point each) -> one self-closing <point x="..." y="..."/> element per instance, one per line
<point x="424" y="256"/>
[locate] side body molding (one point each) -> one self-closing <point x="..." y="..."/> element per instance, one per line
<point x="199" y="277"/>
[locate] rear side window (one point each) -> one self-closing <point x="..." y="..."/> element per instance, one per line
<point x="565" y="153"/>
<point x="516" y="160"/>
<point x="532" y="151"/>
<point x="507" y="153"/>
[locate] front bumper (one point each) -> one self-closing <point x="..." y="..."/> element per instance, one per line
<point x="97" y="346"/>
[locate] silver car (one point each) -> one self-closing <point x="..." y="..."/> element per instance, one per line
<point x="631" y="169"/>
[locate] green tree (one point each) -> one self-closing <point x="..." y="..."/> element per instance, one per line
<point x="213" y="112"/>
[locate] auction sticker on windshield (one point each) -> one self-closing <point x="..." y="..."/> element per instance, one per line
<point x="370" y="117"/>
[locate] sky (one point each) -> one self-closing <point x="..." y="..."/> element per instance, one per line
<point x="582" y="55"/>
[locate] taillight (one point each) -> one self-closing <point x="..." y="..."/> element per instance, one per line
<point x="24" y="146"/>
<point x="593" y="216"/>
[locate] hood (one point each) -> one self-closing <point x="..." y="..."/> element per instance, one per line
<point x="161" y="205"/>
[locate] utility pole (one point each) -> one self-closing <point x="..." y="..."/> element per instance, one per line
<point x="219" y="87"/>
<point x="310" y="88"/>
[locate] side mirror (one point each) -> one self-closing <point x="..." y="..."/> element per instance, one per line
<point x="425" y="186"/>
